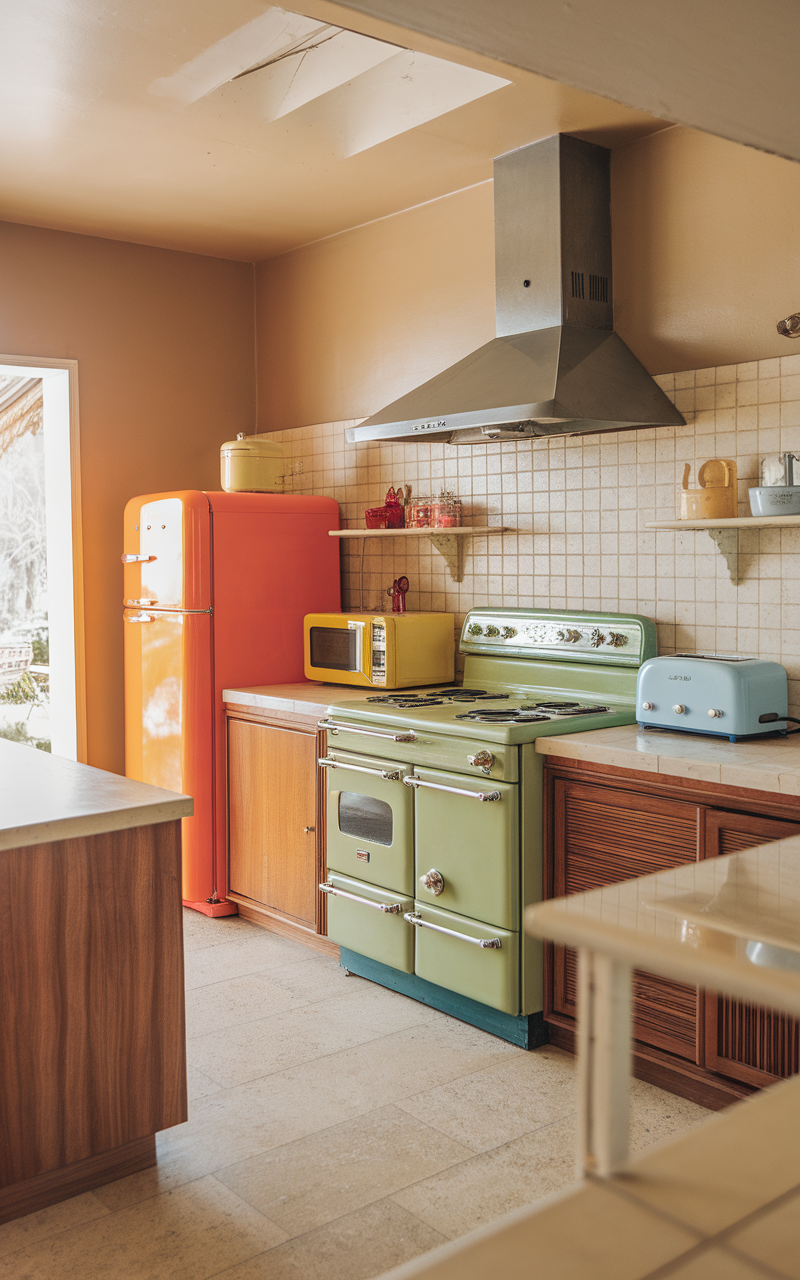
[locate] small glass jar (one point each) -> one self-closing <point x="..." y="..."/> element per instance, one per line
<point x="446" y="511"/>
<point x="418" y="513"/>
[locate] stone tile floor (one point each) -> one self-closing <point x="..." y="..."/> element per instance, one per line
<point x="337" y="1129"/>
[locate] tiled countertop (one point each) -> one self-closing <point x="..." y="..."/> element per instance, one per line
<point x="771" y="764"/>
<point x="45" y="798"/>
<point x="309" y="697"/>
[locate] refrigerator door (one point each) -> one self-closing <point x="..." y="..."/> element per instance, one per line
<point x="167" y="551"/>
<point x="169" y="713"/>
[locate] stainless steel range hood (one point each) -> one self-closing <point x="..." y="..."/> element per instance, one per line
<point x="556" y="366"/>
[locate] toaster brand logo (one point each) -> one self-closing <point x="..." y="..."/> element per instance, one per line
<point x="679" y="677"/>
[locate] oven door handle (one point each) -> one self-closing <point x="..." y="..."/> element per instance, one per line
<point x="334" y="727"/>
<point x="389" y="908"/>
<point x="490" y="944"/>
<point x="391" y="775"/>
<point x="455" y="791"/>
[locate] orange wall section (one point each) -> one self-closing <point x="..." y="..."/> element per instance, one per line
<point x="346" y="325"/>
<point x="164" y="344"/>
<point x="706" y="261"/>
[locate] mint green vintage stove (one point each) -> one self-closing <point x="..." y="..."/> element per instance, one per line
<point x="434" y="809"/>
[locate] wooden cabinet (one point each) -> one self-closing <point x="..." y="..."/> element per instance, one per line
<point x="276" y="848"/>
<point x="753" y="1045"/>
<point x="605" y="825"/>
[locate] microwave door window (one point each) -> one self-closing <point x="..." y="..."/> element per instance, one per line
<point x="335" y="649"/>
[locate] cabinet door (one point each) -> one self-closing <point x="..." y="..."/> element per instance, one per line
<point x="603" y="835"/>
<point x="272" y="817"/>
<point x="747" y="1043"/>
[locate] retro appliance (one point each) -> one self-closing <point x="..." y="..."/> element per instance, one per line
<point x="728" y="697"/>
<point x="216" y="586"/>
<point x="386" y="650"/>
<point x="434" y="809"/>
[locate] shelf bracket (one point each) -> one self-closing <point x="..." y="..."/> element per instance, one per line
<point x="449" y="546"/>
<point x="727" y="541"/>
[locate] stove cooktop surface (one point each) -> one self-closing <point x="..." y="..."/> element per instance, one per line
<point x="509" y="714"/>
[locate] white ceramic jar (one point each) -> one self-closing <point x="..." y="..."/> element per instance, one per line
<point x="249" y="465"/>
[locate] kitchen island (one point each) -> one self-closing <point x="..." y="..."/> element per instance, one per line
<point x="92" y="1037"/>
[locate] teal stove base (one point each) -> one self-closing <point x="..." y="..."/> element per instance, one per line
<point x="529" y="1031"/>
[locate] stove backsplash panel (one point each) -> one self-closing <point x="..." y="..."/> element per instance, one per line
<point x="579" y="508"/>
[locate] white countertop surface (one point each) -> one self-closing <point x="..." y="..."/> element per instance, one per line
<point x="770" y="764"/>
<point x="731" y="924"/>
<point x="308" y="698"/>
<point x="45" y="797"/>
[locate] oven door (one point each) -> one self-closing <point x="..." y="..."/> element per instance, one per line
<point x="370" y="823"/>
<point x="467" y="845"/>
<point x="463" y="955"/>
<point x="370" y="921"/>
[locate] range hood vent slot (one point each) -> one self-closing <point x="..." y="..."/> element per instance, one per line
<point x="556" y="366"/>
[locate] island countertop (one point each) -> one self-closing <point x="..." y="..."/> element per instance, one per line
<point x="45" y="798"/>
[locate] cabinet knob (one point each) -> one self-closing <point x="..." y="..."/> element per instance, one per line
<point x="433" y="881"/>
<point x="306" y="830"/>
<point x="679" y="708"/>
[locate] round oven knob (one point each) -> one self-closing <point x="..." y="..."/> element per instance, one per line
<point x="648" y="706"/>
<point x="433" y="881"/>
<point x="714" y="714"/>
<point x="679" y="708"/>
<point x="482" y="760"/>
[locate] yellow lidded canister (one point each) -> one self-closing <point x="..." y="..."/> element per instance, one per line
<point x="250" y="465"/>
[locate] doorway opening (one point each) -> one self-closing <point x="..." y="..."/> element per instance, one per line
<point x="42" y="695"/>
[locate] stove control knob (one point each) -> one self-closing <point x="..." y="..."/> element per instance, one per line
<point x="714" y="714"/>
<point x="493" y="631"/>
<point x="482" y="760"/>
<point x="648" y="706"/>
<point x="433" y="881"/>
<point x="509" y="633"/>
<point x="679" y="708"/>
<point x="475" y="629"/>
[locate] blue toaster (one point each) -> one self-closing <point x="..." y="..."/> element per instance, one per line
<point x="728" y="697"/>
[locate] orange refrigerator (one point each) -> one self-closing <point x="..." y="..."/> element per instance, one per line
<point x="216" y="586"/>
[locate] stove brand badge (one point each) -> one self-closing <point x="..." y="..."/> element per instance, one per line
<point x="362" y="855"/>
<point x="686" y="678"/>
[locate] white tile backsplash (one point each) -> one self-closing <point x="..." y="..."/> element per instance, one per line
<point x="577" y="507"/>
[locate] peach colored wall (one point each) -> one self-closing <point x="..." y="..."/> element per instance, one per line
<point x="706" y="261"/>
<point x="706" y="250"/>
<point x="164" y="342"/>
<point x="349" y="323"/>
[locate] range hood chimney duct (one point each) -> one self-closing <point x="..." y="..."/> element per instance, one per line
<point x="556" y="366"/>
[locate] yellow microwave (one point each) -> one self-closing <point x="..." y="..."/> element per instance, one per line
<point x="384" y="651"/>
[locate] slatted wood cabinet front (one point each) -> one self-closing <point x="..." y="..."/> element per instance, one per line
<point x="605" y="826"/>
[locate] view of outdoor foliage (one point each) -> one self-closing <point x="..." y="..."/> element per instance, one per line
<point x="24" y="649"/>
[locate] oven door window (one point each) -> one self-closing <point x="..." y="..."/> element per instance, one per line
<point x="335" y="648"/>
<point x="365" y="818"/>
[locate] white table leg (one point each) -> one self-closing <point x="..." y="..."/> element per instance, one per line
<point x="605" y="994"/>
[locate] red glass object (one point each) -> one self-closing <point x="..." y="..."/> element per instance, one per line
<point x="398" y="591"/>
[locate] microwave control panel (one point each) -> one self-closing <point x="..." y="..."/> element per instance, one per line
<point x="378" y="653"/>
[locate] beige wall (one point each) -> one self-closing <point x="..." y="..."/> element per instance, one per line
<point x="347" y="324"/>
<point x="706" y="250"/>
<point x="705" y="263"/>
<point x="164" y="342"/>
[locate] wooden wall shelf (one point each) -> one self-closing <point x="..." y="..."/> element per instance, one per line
<point x="447" y="541"/>
<point x="725" y="533"/>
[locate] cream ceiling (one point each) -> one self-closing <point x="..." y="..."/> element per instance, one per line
<point x="125" y="120"/>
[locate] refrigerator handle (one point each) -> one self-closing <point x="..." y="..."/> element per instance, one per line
<point x="140" y="617"/>
<point x="130" y="559"/>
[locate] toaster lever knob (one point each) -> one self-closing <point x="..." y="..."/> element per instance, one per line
<point x="679" y="708"/>
<point x="714" y="714"/>
<point x="648" y="706"/>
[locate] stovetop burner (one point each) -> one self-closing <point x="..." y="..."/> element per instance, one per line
<point x="555" y="706"/>
<point x="583" y="711"/>
<point x="436" y="697"/>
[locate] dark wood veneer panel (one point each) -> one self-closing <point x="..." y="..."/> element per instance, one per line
<point x="92" y="1036"/>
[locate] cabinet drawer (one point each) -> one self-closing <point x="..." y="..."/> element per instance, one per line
<point x="356" y="922"/>
<point x="482" y="973"/>
<point x="370" y="825"/>
<point x="472" y="843"/>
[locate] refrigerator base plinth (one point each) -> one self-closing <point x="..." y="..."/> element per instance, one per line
<point x="213" y="908"/>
